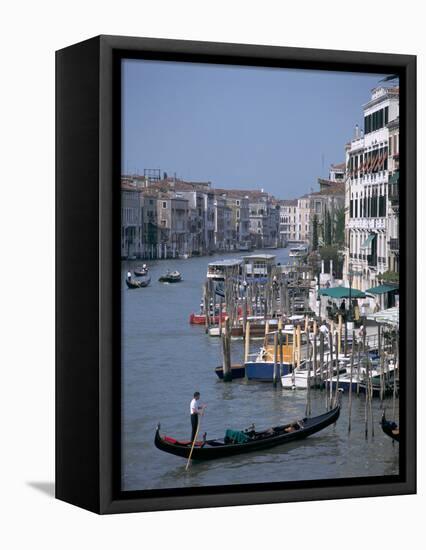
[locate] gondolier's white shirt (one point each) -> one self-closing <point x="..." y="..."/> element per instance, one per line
<point x="194" y="407"/>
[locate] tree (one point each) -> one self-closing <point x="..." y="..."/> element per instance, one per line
<point x="315" y="233"/>
<point x="332" y="253"/>
<point x="327" y="229"/>
<point x="339" y="232"/>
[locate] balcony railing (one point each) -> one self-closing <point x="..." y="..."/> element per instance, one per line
<point x="393" y="193"/>
<point x="372" y="260"/>
<point x="394" y="245"/>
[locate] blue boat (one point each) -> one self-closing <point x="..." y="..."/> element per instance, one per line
<point x="263" y="371"/>
<point x="262" y="368"/>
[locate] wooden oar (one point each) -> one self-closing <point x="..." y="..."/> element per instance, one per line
<point x="195" y="439"/>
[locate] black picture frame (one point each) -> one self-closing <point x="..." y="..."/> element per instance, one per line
<point x="87" y="305"/>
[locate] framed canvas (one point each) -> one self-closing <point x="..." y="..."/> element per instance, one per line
<point x="276" y="186"/>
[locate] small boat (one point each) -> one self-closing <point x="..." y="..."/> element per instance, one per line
<point x="140" y="271"/>
<point x="237" y="371"/>
<point x="138" y="283"/>
<point x="299" y="379"/>
<point x="390" y="428"/>
<point x="171" y="277"/>
<point x="298" y="251"/>
<point x="249" y="440"/>
<point x="262" y="368"/>
<point x="200" y="318"/>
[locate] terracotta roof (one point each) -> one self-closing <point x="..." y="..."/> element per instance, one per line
<point x="340" y="166"/>
<point x="334" y="190"/>
<point x="288" y="202"/>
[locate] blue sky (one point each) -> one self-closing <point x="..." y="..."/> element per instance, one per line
<point x="239" y="127"/>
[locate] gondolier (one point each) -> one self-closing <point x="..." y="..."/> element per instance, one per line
<point x="195" y="409"/>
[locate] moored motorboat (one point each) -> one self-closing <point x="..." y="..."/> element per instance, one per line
<point x="200" y="318"/>
<point x="171" y="277"/>
<point x="262" y="368"/>
<point x="390" y="428"/>
<point x="138" y="283"/>
<point x="298" y="251"/>
<point x="300" y="379"/>
<point x="245" y="441"/>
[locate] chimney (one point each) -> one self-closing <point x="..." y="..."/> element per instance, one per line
<point x="356" y="131"/>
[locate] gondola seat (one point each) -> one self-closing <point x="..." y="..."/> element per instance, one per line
<point x="235" y="436"/>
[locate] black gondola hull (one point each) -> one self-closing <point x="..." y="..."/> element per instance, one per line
<point x="389" y="428"/>
<point x="138" y="283"/>
<point x="166" y="279"/>
<point x="210" y="451"/>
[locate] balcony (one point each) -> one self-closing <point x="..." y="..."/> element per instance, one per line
<point x="394" y="245"/>
<point x="372" y="260"/>
<point x="393" y="190"/>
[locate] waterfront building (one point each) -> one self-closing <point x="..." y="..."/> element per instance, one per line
<point x="393" y="199"/>
<point x="208" y="211"/>
<point x="172" y="212"/>
<point x="264" y="220"/>
<point x="150" y="232"/>
<point x="240" y="218"/>
<point x="220" y="223"/>
<point x="288" y="217"/>
<point x="303" y="222"/>
<point x="366" y="197"/>
<point x="196" y="219"/>
<point x="294" y="220"/>
<point x="131" y="221"/>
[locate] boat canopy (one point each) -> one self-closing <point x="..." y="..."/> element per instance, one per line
<point x="218" y="270"/>
<point x="225" y="263"/>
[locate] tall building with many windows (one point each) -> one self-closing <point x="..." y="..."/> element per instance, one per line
<point x="367" y="196"/>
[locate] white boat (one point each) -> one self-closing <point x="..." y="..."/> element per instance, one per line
<point x="297" y="380"/>
<point x="298" y="251"/>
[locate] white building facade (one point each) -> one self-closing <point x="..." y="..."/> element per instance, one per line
<point x="366" y="191"/>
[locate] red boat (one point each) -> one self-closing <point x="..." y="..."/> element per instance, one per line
<point x="200" y="319"/>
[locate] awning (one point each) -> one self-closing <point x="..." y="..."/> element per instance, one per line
<point x="368" y="241"/>
<point x="388" y="316"/>
<point x="340" y="292"/>
<point x="394" y="178"/>
<point x="382" y="289"/>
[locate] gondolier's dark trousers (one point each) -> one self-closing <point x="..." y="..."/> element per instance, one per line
<point x="194" y="425"/>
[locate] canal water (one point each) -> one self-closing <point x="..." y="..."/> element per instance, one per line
<point x="165" y="359"/>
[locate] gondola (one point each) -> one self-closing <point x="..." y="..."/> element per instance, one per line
<point x="140" y="271"/>
<point x="171" y="277"/>
<point x="138" y="283"/>
<point x="390" y="428"/>
<point x="248" y="440"/>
